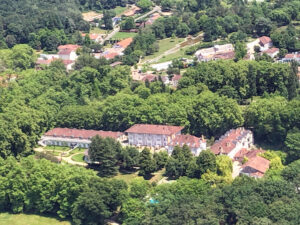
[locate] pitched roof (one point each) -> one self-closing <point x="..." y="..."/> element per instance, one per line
<point x="271" y="50"/>
<point x="124" y="43"/>
<point x="265" y="40"/>
<point x="176" y="77"/>
<point x="110" y="55"/>
<point x="189" y="140"/>
<point x="81" y="133"/>
<point x="228" y="141"/>
<point x="250" y="154"/>
<point x="66" y="51"/>
<point x="149" y="77"/>
<point x="68" y="46"/>
<point x="258" y="163"/>
<point x="292" y="55"/>
<point x="154" y="129"/>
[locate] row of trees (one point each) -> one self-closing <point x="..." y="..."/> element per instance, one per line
<point x="40" y="186"/>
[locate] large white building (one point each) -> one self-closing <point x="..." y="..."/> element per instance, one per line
<point x="76" y="137"/>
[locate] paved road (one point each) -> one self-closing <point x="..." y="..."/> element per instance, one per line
<point x="155" y="9"/>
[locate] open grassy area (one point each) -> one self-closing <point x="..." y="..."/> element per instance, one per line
<point x="78" y="157"/>
<point x="77" y="150"/>
<point x="119" y="10"/>
<point x="57" y="148"/>
<point x="96" y="30"/>
<point x="127" y="177"/>
<point x="123" y="35"/>
<point x="176" y="55"/>
<point x="24" y="219"/>
<point x="164" y="45"/>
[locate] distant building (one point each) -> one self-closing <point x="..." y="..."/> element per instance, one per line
<point x="68" y="52"/>
<point x="150" y="78"/>
<point x="116" y="20"/>
<point x="124" y="43"/>
<point x="76" y="137"/>
<point x="153" y="18"/>
<point x="97" y="38"/>
<point x="255" y="167"/>
<point x="272" y="52"/>
<point x="291" y="57"/>
<point x="214" y="53"/>
<point x="233" y="141"/>
<point x="175" y="79"/>
<point x="265" y="43"/>
<point x="195" y="144"/>
<point x="152" y="135"/>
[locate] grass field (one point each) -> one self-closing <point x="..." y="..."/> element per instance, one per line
<point x="127" y="177"/>
<point x="164" y="45"/>
<point x="123" y="35"/>
<point x="119" y="10"/>
<point x="96" y="30"/>
<point x="57" y="148"/>
<point x="78" y="157"/>
<point x="77" y="150"/>
<point x="24" y="219"/>
<point x="176" y="55"/>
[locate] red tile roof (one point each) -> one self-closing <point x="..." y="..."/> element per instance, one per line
<point x="176" y="77"/>
<point x="69" y="46"/>
<point x="124" y="43"/>
<point x="271" y="50"/>
<point x="227" y="142"/>
<point x="258" y="163"/>
<point x="81" y="133"/>
<point x="66" y="51"/>
<point x="265" y="40"/>
<point x="110" y="55"/>
<point x="292" y="56"/>
<point x="154" y="129"/>
<point x="149" y="77"/>
<point x="239" y="156"/>
<point x="189" y="140"/>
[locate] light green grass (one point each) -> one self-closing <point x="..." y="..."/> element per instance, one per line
<point x="77" y="150"/>
<point x="24" y="219"/>
<point x="59" y="148"/>
<point x="119" y="10"/>
<point x="177" y="55"/>
<point x="97" y="30"/>
<point x="126" y="177"/>
<point x="78" y="157"/>
<point x="123" y="35"/>
<point x="164" y="45"/>
<point x="54" y="153"/>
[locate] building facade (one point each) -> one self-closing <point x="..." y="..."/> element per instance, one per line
<point x="195" y="144"/>
<point x="233" y="141"/>
<point x="150" y="135"/>
<point x="76" y="137"/>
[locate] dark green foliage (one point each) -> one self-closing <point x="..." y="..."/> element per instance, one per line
<point x="129" y="158"/>
<point x="105" y="151"/>
<point x="146" y="163"/>
<point x="292" y="144"/>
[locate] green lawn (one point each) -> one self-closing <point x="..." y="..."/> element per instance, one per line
<point x="97" y="30"/>
<point x="58" y="148"/>
<point x="119" y="10"/>
<point x="24" y="219"/>
<point x="123" y="35"/>
<point x="164" y="45"/>
<point x="127" y="177"/>
<point x="77" y="150"/>
<point x="78" y="157"/>
<point x="176" y="55"/>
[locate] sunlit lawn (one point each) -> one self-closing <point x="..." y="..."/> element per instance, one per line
<point x="127" y="177"/>
<point x="57" y="148"/>
<point x="164" y="45"/>
<point x="78" y="157"/>
<point x="24" y="219"/>
<point x="119" y="10"/>
<point x="96" y="30"/>
<point x="123" y="35"/>
<point x="176" y="55"/>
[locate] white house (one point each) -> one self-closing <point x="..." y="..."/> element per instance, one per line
<point x="272" y="52"/>
<point x="195" y="144"/>
<point x="67" y="52"/>
<point x="265" y="43"/>
<point x="217" y="52"/>
<point x="76" y="137"/>
<point x="150" y="135"/>
<point x="233" y="141"/>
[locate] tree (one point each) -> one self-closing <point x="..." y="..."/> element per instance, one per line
<point x="139" y="188"/>
<point x="263" y="26"/>
<point x="105" y="151"/>
<point x="161" y="159"/>
<point x="128" y="23"/>
<point x="144" y="4"/>
<point x="129" y="158"/>
<point x="147" y="163"/>
<point x="206" y="161"/>
<point x="292" y="144"/>
<point x="23" y="57"/>
<point x="240" y="50"/>
<point x="107" y="19"/>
